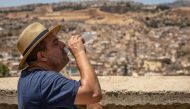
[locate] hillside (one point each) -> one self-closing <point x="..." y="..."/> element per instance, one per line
<point x="180" y="3"/>
<point x="139" y="40"/>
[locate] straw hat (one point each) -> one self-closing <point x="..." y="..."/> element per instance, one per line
<point x="30" y="37"/>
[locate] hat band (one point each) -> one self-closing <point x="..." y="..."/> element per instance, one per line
<point x="34" y="41"/>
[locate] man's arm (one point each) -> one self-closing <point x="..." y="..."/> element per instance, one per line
<point x="89" y="91"/>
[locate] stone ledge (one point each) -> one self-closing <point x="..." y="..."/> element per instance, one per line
<point x="125" y="91"/>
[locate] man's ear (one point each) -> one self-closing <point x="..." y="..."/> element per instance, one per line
<point x="42" y="56"/>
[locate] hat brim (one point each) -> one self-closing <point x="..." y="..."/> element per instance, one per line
<point x="23" y="63"/>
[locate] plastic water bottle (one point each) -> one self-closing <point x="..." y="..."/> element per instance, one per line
<point x="67" y="51"/>
<point x="87" y="37"/>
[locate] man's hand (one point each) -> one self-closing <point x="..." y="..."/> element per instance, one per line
<point x="76" y="45"/>
<point x="94" y="106"/>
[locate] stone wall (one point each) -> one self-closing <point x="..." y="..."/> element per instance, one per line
<point x="152" y="92"/>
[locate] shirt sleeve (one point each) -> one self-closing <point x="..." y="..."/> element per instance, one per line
<point x="59" y="91"/>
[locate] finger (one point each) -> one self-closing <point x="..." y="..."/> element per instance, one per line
<point x="71" y="38"/>
<point x="74" y="36"/>
<point x="80" y="38"/>
<point x="77" y="36"/>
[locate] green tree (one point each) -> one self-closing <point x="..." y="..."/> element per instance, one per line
<point x="4" y="70"/>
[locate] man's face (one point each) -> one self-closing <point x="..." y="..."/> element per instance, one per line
<point x="56" y="56"/>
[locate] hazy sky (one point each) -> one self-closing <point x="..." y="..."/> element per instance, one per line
<point x="5" y="3"/>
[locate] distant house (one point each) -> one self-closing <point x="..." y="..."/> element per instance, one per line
<point x="14" y="73"/>
<point x="155" y="64"/>
<point x="13" y="67"/>
<point x="152" y="65"/>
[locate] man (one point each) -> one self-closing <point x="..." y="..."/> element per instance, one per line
<point x="40" y="85"/>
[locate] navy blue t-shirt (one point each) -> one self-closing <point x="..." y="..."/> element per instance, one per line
<point x="40" y="89"/>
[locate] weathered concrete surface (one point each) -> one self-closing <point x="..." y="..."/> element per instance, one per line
<point x="122" y="92"/>
<point x="8" y="88"/>
<point x="152" y="90"/>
